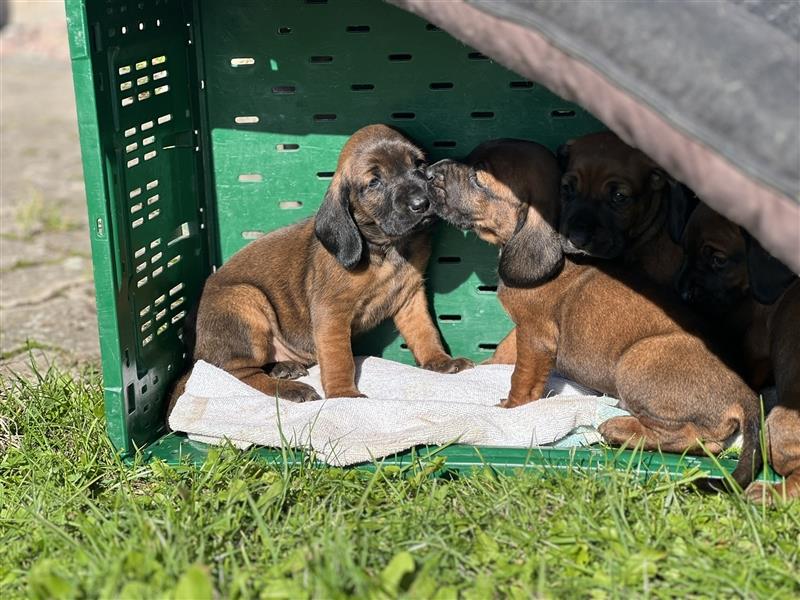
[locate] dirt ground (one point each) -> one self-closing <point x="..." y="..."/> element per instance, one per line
<point x="47" y="309"/>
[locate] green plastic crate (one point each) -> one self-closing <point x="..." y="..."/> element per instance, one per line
<point x="205" y="124"/>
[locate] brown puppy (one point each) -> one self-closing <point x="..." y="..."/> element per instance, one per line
<point x="616" y="203"/>
<point x="297" y="295"/>
<point x="595" y="328"/>
<point x="756" y="302"/>
<point x="539" y="188"/>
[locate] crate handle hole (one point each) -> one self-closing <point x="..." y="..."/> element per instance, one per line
<point x="290" y="204"/>
<point x="130" y="396"/>
<point x="562" y="114"/>
<point x="251" y="178"/>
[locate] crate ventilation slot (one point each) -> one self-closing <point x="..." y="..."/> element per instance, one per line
<point x="445" y="260"/>
<point x="562" y="114"/>
<point x="246" y="119"/>
<point x="325" y="175"/>
<point x="284" y="30"/>
<point x="482" y="114"/>
<point x="287" y="147"/>
<point x="400" y="57"/>
<point x="324" y="117"/>
<point x="362" y="87"/>
<point x="477" y="56"/>
<point x="284" y="89"/>
<point x="251" y="178"/>
<point x="441" y="85"/>
<point x="242" y="62"/>
<point x="520" y="85"/>
<point x="319" y="60"/>
<point x="487" y="289"/>
<point x="487" y="346"/>
<point x="449" y="317"/>
<point x="290" y="204"/>
<point x="444" y="144"/>
<point x="357" y="29"/>
<point x="403" y="116"/>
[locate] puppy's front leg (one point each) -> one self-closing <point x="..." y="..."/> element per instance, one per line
<point x="332" y="338"/>
<point x="534" y="364"/>
<point x="414" y="323"/>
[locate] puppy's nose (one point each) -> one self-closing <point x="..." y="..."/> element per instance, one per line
<point x="418" y="204"/>
<point x="579" y="237"/>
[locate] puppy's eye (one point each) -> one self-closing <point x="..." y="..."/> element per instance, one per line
<point x="566" y="189"/>
<point x="619" y="199"/>
<point x="374" y="183"/>
<point x="719" y="260"/>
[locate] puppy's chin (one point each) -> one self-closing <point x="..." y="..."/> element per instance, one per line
<point x="455" y="219"/>
<point x="400" y="228"/>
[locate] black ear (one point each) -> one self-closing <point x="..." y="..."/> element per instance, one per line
<point x="769" y="277"/>
<point x="335" y="228"/>
<point x="681" y="202"/>
<point x="532" y="256"/>
<point x="562" y="155"/>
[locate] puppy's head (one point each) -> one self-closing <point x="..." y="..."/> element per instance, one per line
<point x="612" y="195"/>
<point x="378" y="195"/>
<point x="492" y="195"/>
<point x="713" y="276"/>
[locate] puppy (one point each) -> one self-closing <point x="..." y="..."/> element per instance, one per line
<point x="595" y="328"/>
<point x="297" y="295"/>
<point x="616" y="203"/>
<point x="728" y="277"/>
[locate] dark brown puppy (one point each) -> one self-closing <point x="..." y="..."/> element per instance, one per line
<point x="297" y="295"/>
<point x="596" y="329"/>
<point x="616" y="203"/>
<point x="756" y="302"/>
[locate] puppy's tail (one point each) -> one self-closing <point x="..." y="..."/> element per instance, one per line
<point x="751" y="460"/>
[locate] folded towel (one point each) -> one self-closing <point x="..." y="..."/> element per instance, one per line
<point x="405" y="406"/>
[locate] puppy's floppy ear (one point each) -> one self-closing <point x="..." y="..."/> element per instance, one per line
<point x="681" y="201"/>
<point x="769" y="277"/>
<point x="334" y="225"/>
<point x="562" y="155"/>
<point x="532" y="256"/>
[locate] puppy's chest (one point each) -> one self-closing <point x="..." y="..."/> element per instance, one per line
<point x="388" y="288"/>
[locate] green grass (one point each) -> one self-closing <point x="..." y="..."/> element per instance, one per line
<point x="75" y="522"/>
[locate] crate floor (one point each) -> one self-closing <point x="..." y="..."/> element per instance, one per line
<point x="460" y="459"/>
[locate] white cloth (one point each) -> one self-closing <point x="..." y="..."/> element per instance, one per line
<point x="405" y="406"/>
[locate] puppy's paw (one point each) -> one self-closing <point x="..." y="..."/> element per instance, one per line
<point x="514" y="402"/>
<point x="287" y="370"/>
<point x="347" y="393"/>
<point x="448" y="365"/>
<point x="297" y="392"/>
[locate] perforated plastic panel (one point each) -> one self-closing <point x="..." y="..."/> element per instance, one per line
<point x="146" y="207"/>
<point x="287" y="82"/>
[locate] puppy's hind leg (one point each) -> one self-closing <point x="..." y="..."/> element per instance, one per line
<point x="241" y="340"/>
<point x="634" y="432"/>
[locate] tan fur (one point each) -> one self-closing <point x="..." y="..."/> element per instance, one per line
<point x="285" y="302"/>
<point x="601" y="329"/>
<point x="767" y="335"/>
